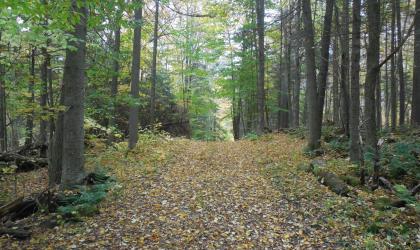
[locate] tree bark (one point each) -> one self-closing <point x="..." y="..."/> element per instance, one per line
<point x="133" y="122"/>
<point x="312" y="96"/>
<point x="56" y="149"/>
<point x="415" y="113"/>
<point x="297" y="82"/>
<point x="260" y="9"/>
<point x="3" y="127"/>
<point x="74" y="96"/>
<point x="355" y="85"/>
<point x="336" y="78"/>
<point x="30" y="117"/>
<point x="116" y="70"/>
<point x="373" y="17"/>
<point x="344" y="83"/>
<point x="393" y="95"/>
<point x="296" y="91"/>
<point x="325" y="58"/>
<point x="154" y="65"/>
<point x="43" y="102"/>
<point x="387" y="98"/>
<point x="400" y="65"/>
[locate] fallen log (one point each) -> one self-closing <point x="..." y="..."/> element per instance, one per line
<point x="18" y="209"/>
<point x="9" y="207"/>
<point x="387" y="184"/>
<point x="333" y="182"/>
<point x="20" y="234"/>
<point x="415" y="190"/>
<point x="23" y="163"/>
<point x="25" y="206"/>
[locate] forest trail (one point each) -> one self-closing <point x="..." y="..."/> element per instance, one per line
<point x="212" y="195"/>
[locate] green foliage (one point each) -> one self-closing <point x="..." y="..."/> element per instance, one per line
<point x="404" y="194"/>
<point x="401" y="158"/>
<point x="299" y="132"/>
<point x="252" y="136"/>
<point x="339" y="145"/>
<point x="383" y="203"/>
<point x="351" y="180"/>
<point x="84" y="201"/>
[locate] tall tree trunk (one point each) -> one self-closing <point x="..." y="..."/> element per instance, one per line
<point x="297" y="82"/>
<point x="289" y="86"/>
<point x="344" y="83"/>
<point x="280" y="116"/>
<point x="43" y="103"/>
<point x="387" y="108"/>
<point x="373" y="18"/>
<point x="14" y="129"/>
<point x="336" y="78"/>
<point x="415" y="113"/>
<point x="355" y="84"/>
<point x="283" y="78"/>
<point x="44" y="92"/>
<point x="74" y="96"/>
<point x="30" y="117"/>
<point x="296" y="91"/>
<point x="3" y="127"/>
<point x="261" y="66"/>
<point x="393" y="96"/>
<point x="56" y="149"/>
<point x="133" y="122"/>
<point x="378" y="93"/>
<point x="325" y="58"/>
<point x="312" y="96"/>
<point x="116" y="71"/>
<point x="400" y="65"/>
<point x="154" y="65"/>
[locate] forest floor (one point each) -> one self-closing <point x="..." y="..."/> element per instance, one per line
<point x="177" y="193"/>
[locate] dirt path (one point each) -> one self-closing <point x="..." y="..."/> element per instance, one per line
<point x="212" y="195"/>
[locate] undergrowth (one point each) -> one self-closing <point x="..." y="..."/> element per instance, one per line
<point x="84" y="200"/>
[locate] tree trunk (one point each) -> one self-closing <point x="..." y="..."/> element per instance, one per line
<point x="378" y="93"/>
<point x="393" y="95"/>
<point x="387" y="109"/>
<point x="133" y="122"/>
<point x="415" y="113"/>
<point x="43" y="103"/>
<point x="373" y="17"/>
<point x="355" y="84"/>
<point x="56" y="148"/>
<point x="336" y="78"/>
<point x="400" y="65"/>
<point x="51" y="104"/>
<point x="30" y="117"/>
<point x="325" y="58"/>
<point x="261" y="66"/>
<point x="116" y="71"/>
<point x="344" y="83"/>
<point x="283" y="78"/>
<point x="312" y="96"/>
<point x="154" y="65"/>
<point x="74" y="96"/>
<point x="3" y="128"/>
<point x="297" y="83"/>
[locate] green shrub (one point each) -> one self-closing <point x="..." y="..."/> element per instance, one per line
<point x="404" y="194"/>
<point x="84" y="201"/>
<point x="351" y="180"/>
<point x="339" y="145"/>
<point x="251" y="136"/>
<point x="401" y="158"/>
<point x="299" y="132"/>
